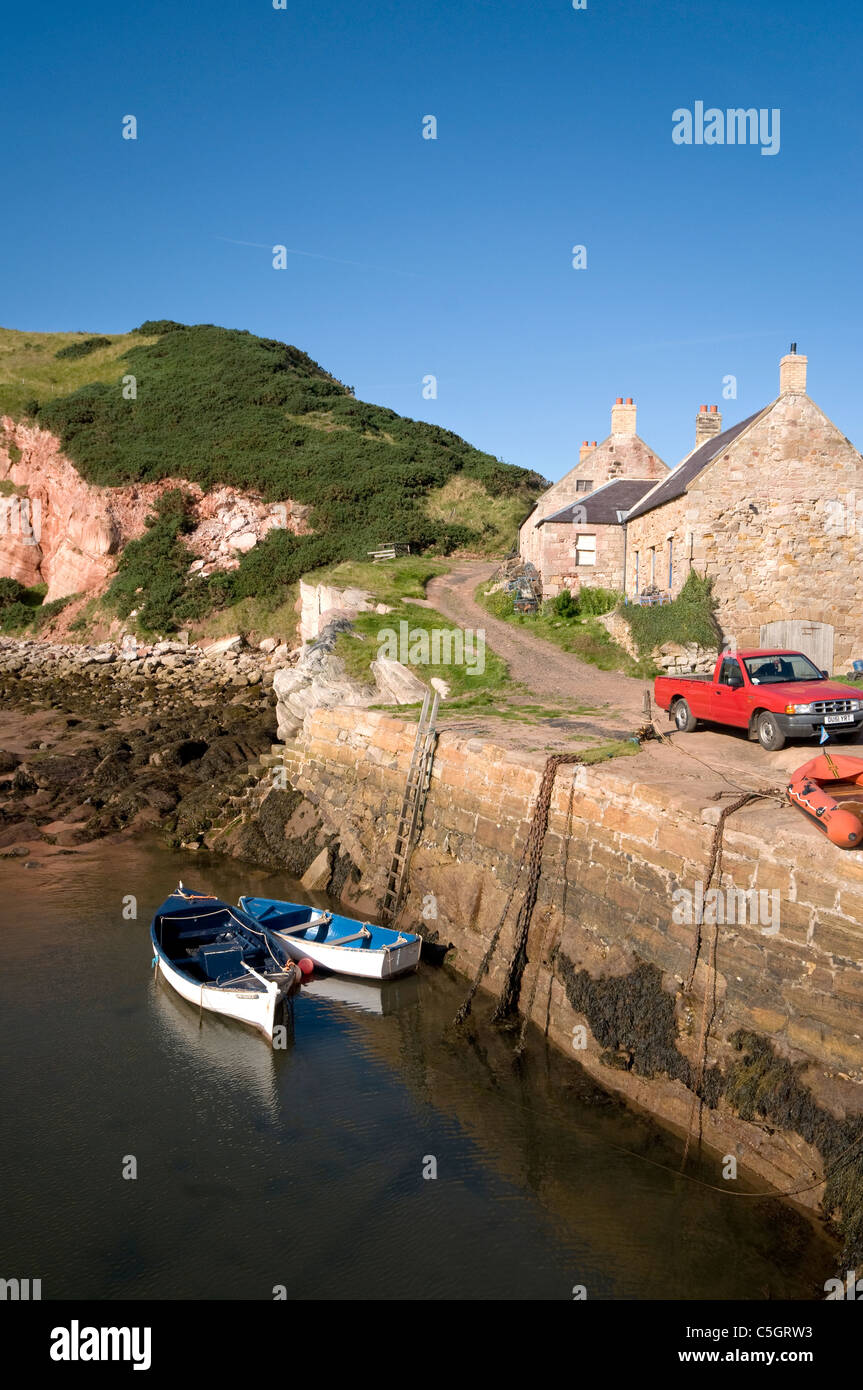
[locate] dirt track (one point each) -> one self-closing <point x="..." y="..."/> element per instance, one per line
<point x="545" y="670"/>
<point x="711" y="758"/>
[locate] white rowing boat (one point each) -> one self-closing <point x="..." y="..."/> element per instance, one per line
<point x="333" y="942"/>
<point x="213" y="955"/>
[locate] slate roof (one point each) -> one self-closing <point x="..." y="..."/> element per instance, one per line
<point x="680" y="477"/>
<point x="601" y="507"/>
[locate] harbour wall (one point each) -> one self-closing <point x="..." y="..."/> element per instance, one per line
<point x="608" y="965"/>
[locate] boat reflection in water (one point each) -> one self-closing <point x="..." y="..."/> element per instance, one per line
<point x="363" y="996"/>
<point x="221" y="1049"/>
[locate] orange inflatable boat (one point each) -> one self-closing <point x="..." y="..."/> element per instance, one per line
<point x="830" y="790"/>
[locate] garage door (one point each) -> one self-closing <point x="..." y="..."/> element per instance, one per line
<point x="815" y="640"/>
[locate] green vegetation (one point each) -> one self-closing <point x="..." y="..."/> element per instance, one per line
<point x="586" y="603"/>
<point x="222" y="406"/>
<point x="389" y="580"/>
<point x="151" y="574"/>
<point x="358" y="649"/>
<point x="585" y="636"/>
<point x="83" y="348"/>
<point x="31" y="373"/>
<point x="11" y="592"/>
<point x="513" y="707"/>
<point x="22" y="608"/>
<point x="688" y="618"/>
<point x="494" y="519"/>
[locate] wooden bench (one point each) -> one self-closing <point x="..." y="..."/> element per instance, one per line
<point x="389" y="552"/>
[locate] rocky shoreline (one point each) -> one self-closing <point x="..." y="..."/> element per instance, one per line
<point x="108" y="740"/>
<point x="175" y="739"/>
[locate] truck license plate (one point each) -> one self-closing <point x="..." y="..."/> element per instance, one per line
<point x="839" y="719"/>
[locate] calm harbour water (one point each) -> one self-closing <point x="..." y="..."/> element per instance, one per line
<point x="304" y="1167"/>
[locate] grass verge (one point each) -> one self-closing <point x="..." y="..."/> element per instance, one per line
<point x="585" y="637"/>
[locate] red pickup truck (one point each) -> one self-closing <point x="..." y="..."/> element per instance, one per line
<point x="774" y="695"/>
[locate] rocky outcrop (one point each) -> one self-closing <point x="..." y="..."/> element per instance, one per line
<point x="59" y="530"/>
<point x="320" y="681"/>
<point x="321" y="604"/>
<point x="397" y="685"/>
<point x="231" y="523"/>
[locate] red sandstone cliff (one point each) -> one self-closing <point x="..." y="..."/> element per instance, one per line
<point x="59" y="530"/>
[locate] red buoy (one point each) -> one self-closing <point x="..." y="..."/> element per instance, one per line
<point x="306" y="965"/>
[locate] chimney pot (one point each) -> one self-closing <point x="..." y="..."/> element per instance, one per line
<point x="623" y="416"/>
<point x="708" y="423"/>
<point x="792" y="373"/>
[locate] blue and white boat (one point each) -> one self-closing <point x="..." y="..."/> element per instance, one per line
<point x="340" y="944"/>
<point x="217" y="957"/>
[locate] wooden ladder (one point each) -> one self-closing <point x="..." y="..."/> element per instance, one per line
<point x="416" y="789"/>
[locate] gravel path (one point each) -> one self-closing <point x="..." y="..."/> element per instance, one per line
<point x="548" y="672"/>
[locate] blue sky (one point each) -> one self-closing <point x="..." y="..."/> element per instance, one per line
<point x="452" y="257"/>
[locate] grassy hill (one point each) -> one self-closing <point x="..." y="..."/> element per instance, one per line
<point x="31" y="371"/>
<point x="217" y="405"/>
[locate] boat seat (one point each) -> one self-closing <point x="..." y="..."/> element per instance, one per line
<point x="295" y="918"/>
<point x="221" y="960"/>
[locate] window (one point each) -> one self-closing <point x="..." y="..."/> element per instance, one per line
<point x="636" y="571"/>
<point x="585" y="550"/>
<point x="653" y="566"/>
<point x="730" y="673"/>
<point x="785" y="666"/>
<point x="584" y="485"/>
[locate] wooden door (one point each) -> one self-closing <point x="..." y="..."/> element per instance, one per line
<point x="814" y="640"/>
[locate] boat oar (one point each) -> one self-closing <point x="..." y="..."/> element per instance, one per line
<point x="264" y="981"/>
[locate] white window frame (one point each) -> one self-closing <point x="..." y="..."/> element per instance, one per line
<point x="584" y="550"/>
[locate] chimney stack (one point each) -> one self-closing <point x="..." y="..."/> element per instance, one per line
<point x="707" y="424"/>
<point x="583" y="452"/>
<point x="623" y="416"/>
<point x="792" y="373"/>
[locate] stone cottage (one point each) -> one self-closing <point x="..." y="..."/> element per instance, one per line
<point x="772" y="508"/>
<point x="575" y="533"/>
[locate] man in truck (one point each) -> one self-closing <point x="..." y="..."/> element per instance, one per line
<point x="777" y="669"/>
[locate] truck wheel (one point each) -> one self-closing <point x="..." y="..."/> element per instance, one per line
<point x="770" y="736"/>
<point x="683" y="717"/>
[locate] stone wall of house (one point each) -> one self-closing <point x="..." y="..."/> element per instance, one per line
<point x="622" y="838"/>
<point x="648" y="536"/>
<point x="557" y="558"/>
<point x="621" y="455"/>
<point x="777" y="521"/>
